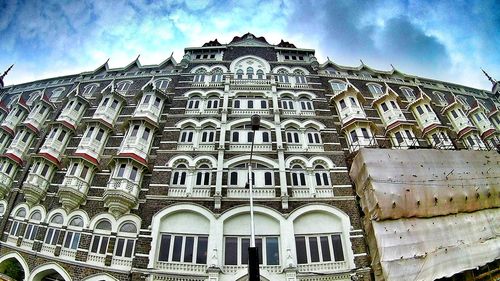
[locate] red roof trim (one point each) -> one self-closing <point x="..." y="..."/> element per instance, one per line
<point x="31" y="127"/>
<point x="135" y="157"/>
<point x="488" y="133"/>
<point x="14" y="158"/>
<point x="87" y="157"/>
<point x="8" y="130"/>
<point x="464" y="131"/>
<point x="50" y="158"/>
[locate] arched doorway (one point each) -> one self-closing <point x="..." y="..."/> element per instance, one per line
<point x="11" y="268"/>
<point x="49" y="272"/>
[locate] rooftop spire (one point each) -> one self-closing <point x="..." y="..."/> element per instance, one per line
<point x="489" y="77"/>
<point x="3" y="75"/>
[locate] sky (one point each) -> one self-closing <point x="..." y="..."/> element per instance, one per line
<point x="444" y="40"/>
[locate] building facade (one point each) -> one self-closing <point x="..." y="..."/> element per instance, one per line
<point x="139" y="173"/>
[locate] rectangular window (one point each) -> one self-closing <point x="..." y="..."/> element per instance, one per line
<point x="187" y="249"/>
<point x="84" y="172"/>
<point x="338" y="253"/>
<point x="231" y="251"/>
<point x="300" y="246"/>
<point x="364" y="131"/>
<point x="145" y="134"/>
<point x="420" y="110"/>
<point x="25" y="137"/>
<point x="319" y="248"/>
<point x="89" y="132"/>
<point x="250" y="104"/>
<point x="135" y="129"/>
<point x="61" y="135"/>
<point x="354" y="136"/>
<point x="263" y="104"/>
<point x="100" y="133"/>
<point x="114" y="104"/>
<point x="384" y="107"/>
<point x="133" y="174"/>
<point x="454" y="114"/>
<point x="399" y="137"/>
<point x="342" y="104"/>
<point x="121" y="170"/>
<point x="73" y="169"/>
<point x="78" y="106"/>
<point x="31" y="232"/>
<point x="147" y="98"/>
<point x="99" y="244"/>
<point x="157" y="102"/>
<point x="44" y="170"/>
<point x="105" y="101"/>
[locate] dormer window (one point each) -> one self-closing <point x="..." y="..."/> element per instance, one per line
<point x="32" y="98"/>
<point x="162" y="84"/>
<point x="463" y="101"/>
<point x="375" y="90"/>
<point x="338" y="86"/>
<point x="123" y="86"/>
<point x="300" y="77"/>
<point x="56" y="94"/>
<point x="89" y="90"/>
<point x="408" y="93"/>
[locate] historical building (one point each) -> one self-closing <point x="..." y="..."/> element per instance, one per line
<point x="140" y="172"/>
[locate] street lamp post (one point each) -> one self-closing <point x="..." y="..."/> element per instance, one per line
<point x="253" y="252"/>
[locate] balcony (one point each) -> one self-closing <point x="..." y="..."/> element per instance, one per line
<point x="392" y="115"/>
<point x="195" y="192"/>
<point x="70" y="116"/>
<point x="27" y="244"/>
<point x="121" y="262"/>
<point x="247" y="147"/>
<point x="5" y="184"/>
<point x="178" y="267"/>
<point x="53" y="147"/>
<point x="137" y="146"/>
<point x="324" y="266"/>
<point x="148" y="111"/>
<point x="460" y="123"/>
<point x="107" y="114"/>
<point x="312" y="147"/>
<point x="319" y="192"/>
<point x="121" y="195"/>
<point x="362" y="142"/>
<point x="348" y="113"/>
<point x="73" y="192"/>
<point x="19" y="148"/>
<point x="427" y="119"/>
<point x="95" y="258"/>
<point x="258" y="192"/>
<point x="48" y="249"/>
<point x="483" y="125"/>
<point x="242" y="111"/>
<point x="245" y="84"/>
<point x="36" y="119"/>
<point x="91" y="147"/>
<point x="12" y="121"/>
<point x="68" y="253"/>
<point x="34" y="188"/>
<point x="233" y="269"/>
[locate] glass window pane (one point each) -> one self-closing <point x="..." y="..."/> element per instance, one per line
<point x="68" y="239"/>
<point x="338" y="253"/>
<point x="164" y="248"/>
<point x="176" y="256"/>
<point x="325" y="248"/>
<point x="313" y="249"/>
<point x="258" y="244"/>
<point x="245" y="243"/>
<point x="300" y="246"/>
<point x="95" y="244"/>
<point x="76" y="240"/>
<point x="231" y="251"/>
<point x="104" y="245"/>
<point x="119" y="247"/>
<point x="34" y="232"/>
<point x="188" y="249"/>
<point x="129" y="248"/>
<point x="272" y="251"/>
<point x="201" y="253"/>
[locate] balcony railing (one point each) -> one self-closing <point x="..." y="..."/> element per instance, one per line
<point x="5" y="184"/>
<point x="121" y="262"/>
<point x="27" y="244"/>
<point x="392" y="115"/>
<point x="35" y="187"/>
<point x="348" y="113"/>
<point x="71" y="116"/>
<point x="68" y="253"/>
<point x="136" y="145"/>
<point x="241" y="111"/>
<point x="48" y="249"/>
<point x="107" y="114"/>
<point x="73" y="192"/>
<point x="53" y="147"/>
<point x="12" y="121"/>
<point x="246" y="147"/>
<point x="181" y="267"/>
<point x="460" y="123"/>
<point x="182" y="192"/>
<point x="18" y="148"/>
<point x="149" y="111"/>
<point x="36" y="119"/>
<point x="258" y="192"/>
<point x="232" y="269"/>
<point x="121" y="195"/>
<point x="323" y="267"/>
<point x="318" y="192"/>
<point x="95" y="258"/>
<point x="91" y="146"/>
<point x="427" y="119"/>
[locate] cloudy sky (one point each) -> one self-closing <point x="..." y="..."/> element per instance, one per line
<point x="447" y="40"/>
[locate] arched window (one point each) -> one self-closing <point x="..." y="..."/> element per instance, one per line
<point x="260" y="74"/>
<point x="187" y="135"/>
<point x="239" y="74"/>
<point x="89" y="90"/>
<point x="162" y="84"/>
<point x="408" y="93"/>
<point x="208" y="135"/>
<point x="306" y="104"/>
<point x="53" y="232"/>
<point x="292" y="136"/>
<point x="283" y="76"/>
<point x="375" y="90"/>
<point x="298" y="176"/>
<point x="126" y="240"/>
<point x="313" y="137"/>
<point x="199" y="75"/>
<point x="203" y="176"/>
<point x="321" y="176"/>
<point x="72" y="239"/>
<point x="32" y="97"/>
<point x="338" y="86"/>
<point x="212" y="103"/>
<point x="262" y="176"/>
<point x="123" y="86"/>
<point x="56" y="93"/>
<point x="217" y="75"/>
<point x="15" y="228"/>
<point x="179" y="175"/>
<point x="300" y="77"/>
<point x="250" y="73"/>
<point x="100" y="240"/>
<point x="32" y="227"/>
<point x="441" y="100"/>
<point x="194" y="103"/>
<point x="287" y="103"/>
<point x="463" y="101"/>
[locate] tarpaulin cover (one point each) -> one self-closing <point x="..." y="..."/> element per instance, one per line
<point x="429" y="213"/>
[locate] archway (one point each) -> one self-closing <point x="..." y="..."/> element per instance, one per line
<point x="49" y="272"/>
<point x="12" y="268"/>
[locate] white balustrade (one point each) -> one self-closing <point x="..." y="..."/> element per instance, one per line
<point x="136" y="145"/>
<point x="18" y="147"/>
<point x="12" y="121"/>
<point x="71" y="116"/>
<point x="91" y="146"/>
<point x="246" y="147"/>
<point x="232" y="269"/>
<point x="148" y="110"/>
<point x="258" y="192"/>
<point x="211" y="111"/>
<point x="196" y="192"/>
<point x="351" y="112"/>
<point x="68" y="253"/>
<point x="307" y="113"/>
<point x="323" y="267"/>
<point x="289" y="112"/>
<point x="206" y="147"/>
<point x="184" y="147"/>
<point x="181" y="267"/>
<point x="36" y="119"/>
<point x="427" y="119"/>
<point x="460" y="123"/>
<point x="392" y="115"/>
<point x="12" y="239"/>
<point x="53" y="147"/>
<point x="193" y="111"/>
<point x="27" y="244"/>
<point x="48" y="249"/>
<point x="121" y="262"/>
<point x="250" y="82"/>
<point x="124" y="185"/>
<point x="107" y="114"/>
<point x="239" y="111"/>
<point x="95" y="258"/>
<point x="76" y="183"/>
<point x="315" y="147"/>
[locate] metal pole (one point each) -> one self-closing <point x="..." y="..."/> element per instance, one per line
<point x="253" y="252"/>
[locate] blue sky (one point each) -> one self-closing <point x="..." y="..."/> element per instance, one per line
<point x="446" y="40"/>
